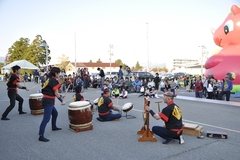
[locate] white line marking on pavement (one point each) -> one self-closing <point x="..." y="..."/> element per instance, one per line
<point x="204" y="124"/>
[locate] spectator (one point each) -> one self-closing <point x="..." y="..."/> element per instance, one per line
<point x="102" y="75"/>
<point x="136" y="85"/>
<point x="156" y="81"/>
<point x="226" y="88"/>
<point x="198" y="88"/>
<point x="120" y="72"/>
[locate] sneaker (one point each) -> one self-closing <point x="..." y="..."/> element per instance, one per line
<point x="43" y="139"/>
<point x="167" y="141"/>
<point x="181" y="140"/>
<point x="5" y="118"/>
<point x="56" y="129"/>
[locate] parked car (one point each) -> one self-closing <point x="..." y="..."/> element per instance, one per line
<point x="107" y="75"/>
<point x="96" y="75"/>
<point x="168" y="75"/>
<point x="142" y="75"/>
<point x="179" y="74"/>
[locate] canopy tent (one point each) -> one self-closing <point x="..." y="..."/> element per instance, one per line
<point x="24" y="64"/>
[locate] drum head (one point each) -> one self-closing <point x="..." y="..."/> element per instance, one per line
<point x="36" y="95"/>
<point x="79" y="104"/>
<point x="127" y="107"/>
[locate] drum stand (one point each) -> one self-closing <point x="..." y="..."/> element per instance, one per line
<point x="147" y="134"/>
<point x="128" y="116"/>
<point x="80" y="128"/>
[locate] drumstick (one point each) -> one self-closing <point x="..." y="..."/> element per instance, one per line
<point x="158" y="105"/>
<point x="68" y="100"/>
<point x="67" y="90"/>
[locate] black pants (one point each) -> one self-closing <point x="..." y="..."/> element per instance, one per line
<point x="227" y="95"/>
<point x="204" y="91"/>
<point x="13" y="96"/>
<point x="209" y="95"/>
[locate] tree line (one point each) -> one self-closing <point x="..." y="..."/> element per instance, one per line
<point x="34" y="53"/>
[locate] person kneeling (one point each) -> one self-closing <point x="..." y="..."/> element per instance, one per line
<point x="172" y="116"/>
<point x="105" y="107"/>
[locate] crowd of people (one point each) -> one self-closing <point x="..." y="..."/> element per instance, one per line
<point x="209" y="87"/>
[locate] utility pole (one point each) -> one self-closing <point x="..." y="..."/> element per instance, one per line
<point x="203" y="52"/>
<point x="147" y="50"/>
<point x="111" y="54"/>
<point x="75" y="52"/>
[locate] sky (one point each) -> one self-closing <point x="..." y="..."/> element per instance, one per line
<point x="149" y="31"/>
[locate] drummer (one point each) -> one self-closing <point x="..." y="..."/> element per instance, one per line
<point x="78" y="96"/>
<point x="172" y="116"/>
<point x="50" y="91"/>
<point x="105" y="107"/>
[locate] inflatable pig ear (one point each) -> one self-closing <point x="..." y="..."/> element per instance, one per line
<point x="235" y="10"/>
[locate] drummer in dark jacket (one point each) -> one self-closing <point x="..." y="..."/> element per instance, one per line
<point x="50" y="91"/>
<point x="172" y="116"/>
<point x="78" y="96"/>
<point x="105" y="107"/>
<point x="13" y="83"/>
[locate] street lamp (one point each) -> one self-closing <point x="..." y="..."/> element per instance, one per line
<point x="45" y="46"/>
<point x="203" y="47"/>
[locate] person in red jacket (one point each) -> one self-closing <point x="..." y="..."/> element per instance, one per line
<point x="198" y="88"/>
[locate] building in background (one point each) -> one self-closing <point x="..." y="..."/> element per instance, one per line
<point x="92" y="67"/>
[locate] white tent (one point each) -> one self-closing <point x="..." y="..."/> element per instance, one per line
<point x="22" y="63"/>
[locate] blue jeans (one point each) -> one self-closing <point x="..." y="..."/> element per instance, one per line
<point x="198" y="94"/>
<point x="48" y="111"/>
<point x="162" y="132"/>
<point x="110" y="116"/>
<point x="173" y="91"/>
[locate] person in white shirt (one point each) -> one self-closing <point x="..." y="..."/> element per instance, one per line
<point x="150" y="84"/>
<point x="124" y="93"/>
<point x="210" y="89"/>
<point x="205" y="82"/>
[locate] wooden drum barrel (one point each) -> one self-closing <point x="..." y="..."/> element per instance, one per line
<point x="80" y="116"/>
<point x="35" y="104"/>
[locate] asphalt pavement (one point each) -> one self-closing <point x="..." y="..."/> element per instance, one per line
<point x="118" y="140"/>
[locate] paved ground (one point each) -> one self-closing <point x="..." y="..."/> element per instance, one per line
<point x="119" y="140"/>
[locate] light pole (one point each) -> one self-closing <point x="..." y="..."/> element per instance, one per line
<point x="147" y="50"/>
<point x="111" y="54"/>
<point x="203" y="51"/>
<point x="44" y="45"/>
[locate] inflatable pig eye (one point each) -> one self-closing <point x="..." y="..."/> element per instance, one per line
<point x="228" y="27"/>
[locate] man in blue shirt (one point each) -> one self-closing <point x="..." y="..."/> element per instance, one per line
<point x="120" y="72"/>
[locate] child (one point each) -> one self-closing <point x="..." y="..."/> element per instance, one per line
<point x="115" y="92"/>
<point x="78" y="97"/>
<point x="144" y="91"/>
<point x="153" y="93"/>
<point x="124" y="93"/>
